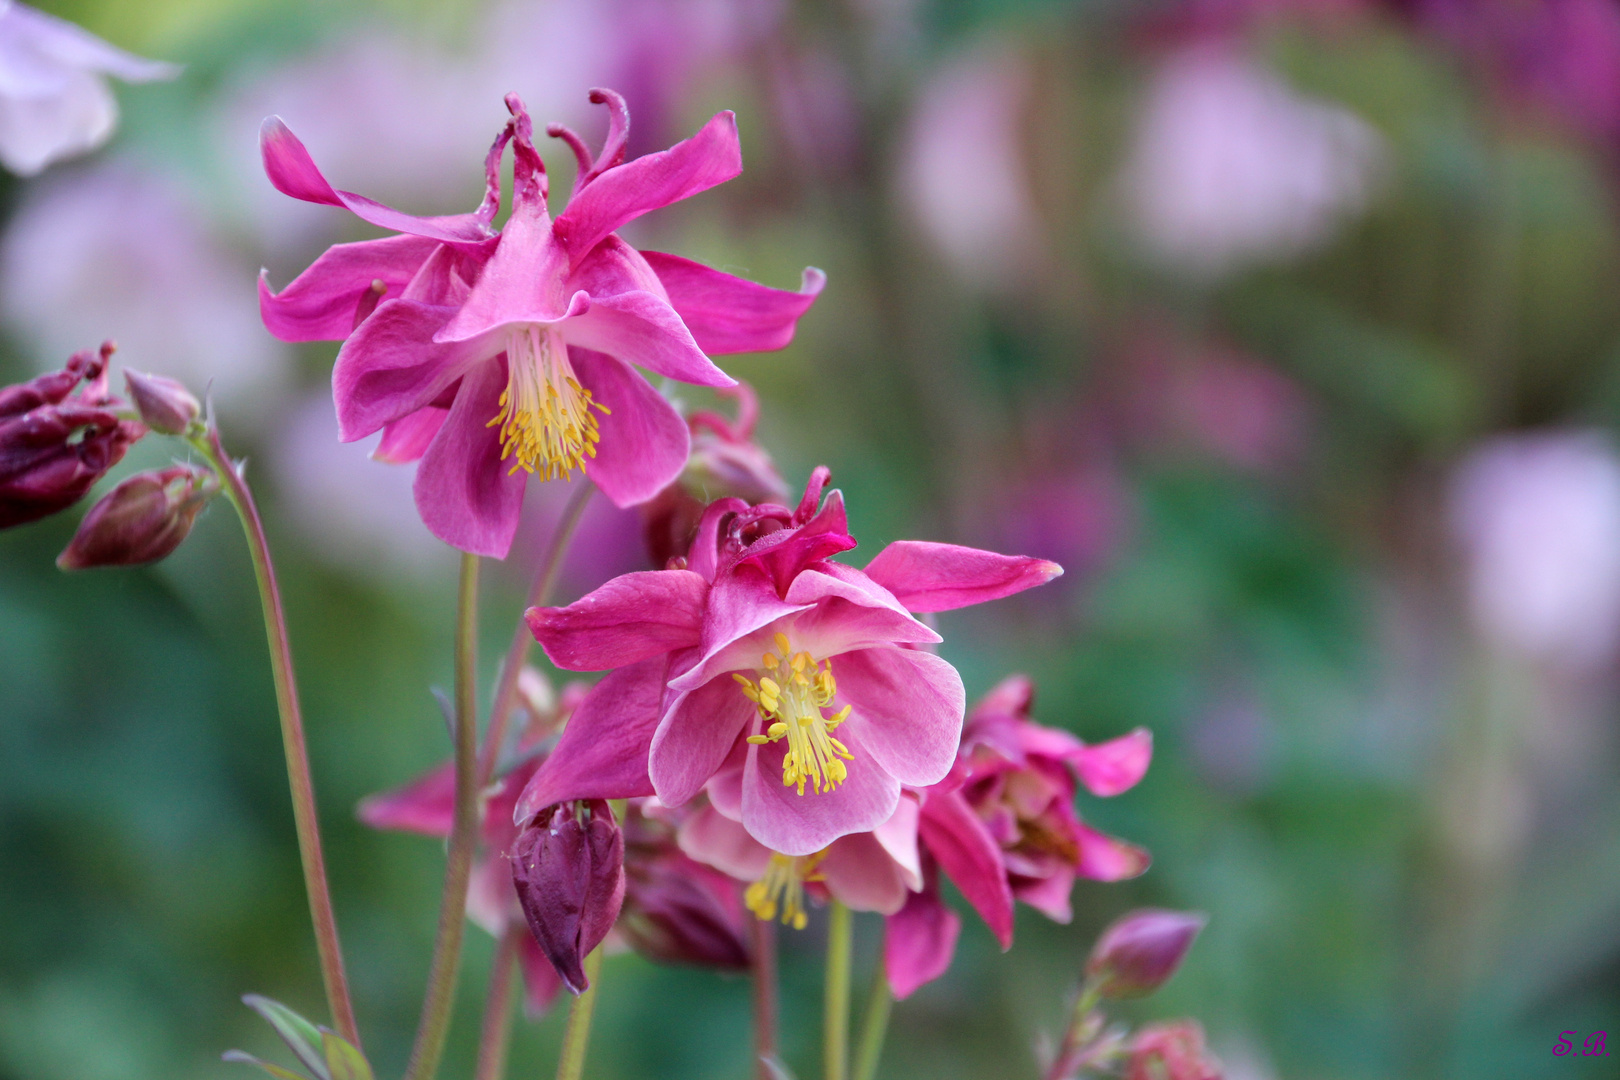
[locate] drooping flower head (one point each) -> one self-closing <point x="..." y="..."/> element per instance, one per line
<point x="789" y="685"/>
<point x="493" y="356"/>
<point x="54" y="443"/>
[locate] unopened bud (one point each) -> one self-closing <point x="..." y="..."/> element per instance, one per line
<point x="1139" y="952"/>
<point x="675" y="911"/>
<point x="141" y="520"/>
<point x="568" y="868"/>
<point x="165" y="404"/>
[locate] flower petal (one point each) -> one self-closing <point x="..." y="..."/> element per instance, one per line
<point x="645" y="443"/>
<point x="1116" y="765"/>
<point x="390" y="367"/>
<point x="631" y="618"/>
<point x="293" y="172"/>
<point x="927" y="576"/>
<point x="540" y="980"/>
<point x="898" y="836"/>
<point x="783" y="820"/>
<point x="602" y="753"/>
<point x="465" y="492"/>
<point x="729" y="314"/>
<point x="715" y="840"/>
<point x="736" y="625"/>
<point x="320" y="303"/>
<point x="860" y="874"/>
<point x="919" y="942"/>
<point x="907" y="710"/>
<point x="1108" y="858"/>
<point x="405" y="440"/>
<point x="954" y="835"/>
<point x="1049" y="895"/>
<point x="696" y="733"/>
<point x="624" y="193"/>
<point x="425" y="806"/>
<point x="640" y="328"/>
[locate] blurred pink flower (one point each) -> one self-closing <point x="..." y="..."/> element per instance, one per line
<point x="962" y="169"/>
<point x="1538" y="518"/>
<point x="121" y="248"/>
<point x="54" y="100"/>
<point x="1171" y="1051"/>
<point x="1231" y="166"/>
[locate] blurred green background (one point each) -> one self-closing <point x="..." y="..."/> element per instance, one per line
<point x="1289" y="328"/>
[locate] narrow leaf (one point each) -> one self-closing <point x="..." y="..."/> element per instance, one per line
<point x="303" y="1037"/>
<point x="344" y="1060"/>
<point x="274" y="1070"/>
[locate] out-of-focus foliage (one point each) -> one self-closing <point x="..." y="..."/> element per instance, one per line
<point x="1288" y="328"/>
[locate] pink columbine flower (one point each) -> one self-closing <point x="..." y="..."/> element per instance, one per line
<point x="794" y="682"/>
<point x="491" y="356"/>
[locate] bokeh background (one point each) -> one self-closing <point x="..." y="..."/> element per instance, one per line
<point x="1288" y="326"/>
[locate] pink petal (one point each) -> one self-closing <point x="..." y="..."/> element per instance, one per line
<point x="622" y="194"/>
<point x="898" y="836"/>
<point x="642" y="329"/>
<point x="390" y="368"/>
<point x="405" y="440"/>
<point x="1108" y="858"/>
<point x="1048" y="895"/>
<point x="633" y="617"/>
<point x="939" y="577"/>
<point x="540" y="981"/>
<point x="728" y="314"/>
<point x="467" y="495"/>
<point x="1012" y="696"/>
<point x="1116" y="765"/>
<point x="288" y="165"/>
<point x="602" y="753"/>
<point x="954" y="835"/>
<point x="694" y="737"/>
<point x="524" y="281"/>
<point x="844" y="620"/>
<point x="783" y="554"/>
<point x="783" y="820"/>
<point x="645" y="443"/>
<point x="320" y="303"/>
<point x="907" y="711"/>
<point x="737" y="625"/>
<point x="860" y="874"/>
<point x="715" y="840"/>
<point x="425" y="806"/>
<point x="919" y="942"/>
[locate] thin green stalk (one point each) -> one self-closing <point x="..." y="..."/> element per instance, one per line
<point x="518" y="652"/>
<point x="577" y="1036"/>
<point x="835" y="1019"/>
<point x="292" y="736"/>
<point x="1078" y="1037"/>
<point x="875" y="1027"/>
<point x="441" y="988"/>
<point x="496" y="1030"/>
<point x="764" y="934"/>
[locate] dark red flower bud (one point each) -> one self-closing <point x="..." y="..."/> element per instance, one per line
<point x="53" y="448"/>
<point x="1139" y="951"/>
<point x="141" y="520"/>
<point x="680" y="912"/>
<point x="165" y="404"/>
<point x="568" y="867"/>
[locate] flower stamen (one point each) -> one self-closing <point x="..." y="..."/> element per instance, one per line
<point x="781" y="889"/>
<point x="792" y="699"/>
<point x="545" y="421"/>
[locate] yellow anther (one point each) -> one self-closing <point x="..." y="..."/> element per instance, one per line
<point x="781" y="889"/>
<point x="545" y="421"/>
<point x="794" y="708"/>
<point x="782" y="643"/>
<point x="769" y="661"/>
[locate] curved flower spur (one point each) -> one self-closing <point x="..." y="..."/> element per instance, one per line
<point x="493" y="356"/>
<point x="801" y="687"/>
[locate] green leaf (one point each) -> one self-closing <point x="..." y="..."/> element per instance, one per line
<point x="303" y="1037"/>
<point x="344" y="1060"/>
<point x="274" y="1070"/>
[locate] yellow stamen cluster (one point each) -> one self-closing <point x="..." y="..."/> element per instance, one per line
<point x="782" y="888"/>
<point x="545" y="420"/>
<point x="791" y="693"/>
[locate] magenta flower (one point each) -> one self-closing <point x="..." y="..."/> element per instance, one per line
<point x="1172" y="1051"/>
<point x="492" y="356"/>
<point x="1141" y="950"/>
<point x="793" y="682"/>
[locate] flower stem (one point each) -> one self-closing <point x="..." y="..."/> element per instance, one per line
<point x="577" y="1036"/>
<point x="875" y="1026"/>
<point x="497" y="1026"/>
<point x="764" y="934"/>
<point x="208" y="444"/>
<point x="518" y="652"/>
<point x="441" y="989"/>
<point x="835" y="1018"/>
<point x="1077" y="1038"/>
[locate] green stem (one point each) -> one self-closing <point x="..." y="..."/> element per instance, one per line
<point x="441" y="988"/>
<point x="1078" y="1037"/>
<point x="835" y="1018"/>
<point x="875" y="1026"/>
<point x="518" y="651"/>
<point x="497" y="1026"/>
<point x="764" y="934"/>
<point x="292" y="735"/>
<point x="577" y="1036"/>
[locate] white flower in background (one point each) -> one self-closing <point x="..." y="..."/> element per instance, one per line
<point x="1538" y="517"/>
<point x="116" y="252"/>
<point x="1231" y="166"/>
<point x="962" y="169"/>
<point x="54" y="100"/>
